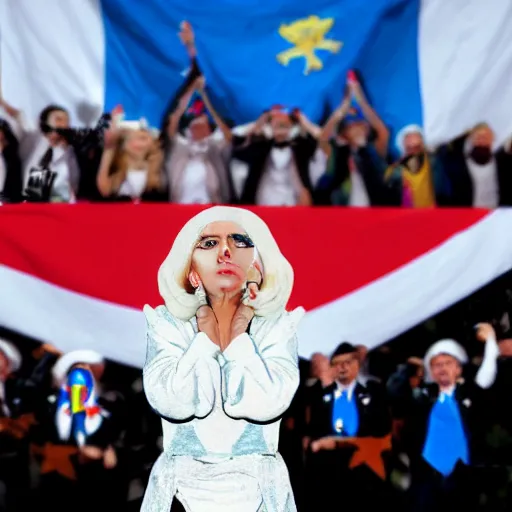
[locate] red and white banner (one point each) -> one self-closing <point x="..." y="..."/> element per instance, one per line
<point x="78" y="276"/>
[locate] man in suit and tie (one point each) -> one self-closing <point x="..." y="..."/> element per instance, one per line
<point x="345" y="412"/>
<point x="443" y="419"/>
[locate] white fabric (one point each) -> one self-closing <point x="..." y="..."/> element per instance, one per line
<point x="14" y="124"/>
<point x="465" y="61"/>
<point x="3" y="172"/>
<point x="239" y="171"/>
<point x="278" y="185"/>
<point x="134" y="183"/>
<point x="68" y="69"/>
<point x="193" y="185"/>
<point x="463" y="46"/>
<point x="67" y="361"/>
<point x="97" y="324"/>
<point x="485" y="183"/>
<point x="488" y="370"/>
<point x="12" y="354"/>
<point x="191" y="173"/>
<point x="219" y="402"/>
<point x="358" y="194"/>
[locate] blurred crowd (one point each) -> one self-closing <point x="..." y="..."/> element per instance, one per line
<point x="281" y="159"/>
<point x="427" y="433"/>
<point x="364" y="429"/>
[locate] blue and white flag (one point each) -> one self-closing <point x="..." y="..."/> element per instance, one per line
<point x="442" y="64"/>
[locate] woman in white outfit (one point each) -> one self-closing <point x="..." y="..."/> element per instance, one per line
<point x="221" y="367"/>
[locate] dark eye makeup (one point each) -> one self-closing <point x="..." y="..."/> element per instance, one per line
<point x="240" y="240"/>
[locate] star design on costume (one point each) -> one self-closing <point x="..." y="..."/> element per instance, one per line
<point x="307" y="35"/>
<point x="57" y="459"/>
<point x="369" y="450"/>
<point x="17" y="427"/>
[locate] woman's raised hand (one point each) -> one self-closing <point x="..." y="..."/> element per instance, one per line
<point x="254" y="280"/>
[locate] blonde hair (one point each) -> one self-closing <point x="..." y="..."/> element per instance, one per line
<point x="120" y="163"/>
<point x="173" y="273"/>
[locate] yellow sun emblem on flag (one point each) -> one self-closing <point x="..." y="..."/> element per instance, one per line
<point x="306" y="36"/>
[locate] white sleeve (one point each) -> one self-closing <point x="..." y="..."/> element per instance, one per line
<point x="486" y="374"/>
<point x="177" y="374"/>
<point x="260" y="380"/>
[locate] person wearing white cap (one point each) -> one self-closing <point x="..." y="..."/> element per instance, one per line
<point x="222" y="367"/>
<point x="442" y="423"/>
<point x="97" y="457"/>
<point x="417" y="179"/>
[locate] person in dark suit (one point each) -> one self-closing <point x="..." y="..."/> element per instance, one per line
<point x="278" y="151"/>
<point x="343" y="414"/>
<point x="479" y="176"/>
<point x="443" y="418"/>
<point x="10" y="165"/>
<point x="18" y="398"/>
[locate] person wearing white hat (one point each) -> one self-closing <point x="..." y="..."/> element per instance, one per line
<point x="96" y="457"/>
<point x="443" y="418"/>
<point x="417" y="179"/>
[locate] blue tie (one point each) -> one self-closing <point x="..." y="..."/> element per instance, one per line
<point x="345" y="416"/>
<point x="446" y="441"/>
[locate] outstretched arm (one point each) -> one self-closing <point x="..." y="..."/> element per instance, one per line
<point x="260" y="379"/>
<point x="223" y="127"/>
<point x="488" y="370"/>
<point x="382" y="141"/>
<point x="177" y="374"/>
<point x="334" y="119"/>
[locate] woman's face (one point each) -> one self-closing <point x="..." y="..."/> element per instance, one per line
<point x="221" y="258"/>
<point x="138" y="143"/>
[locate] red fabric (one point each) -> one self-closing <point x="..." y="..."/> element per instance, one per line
<point x="113" y="251"/>
<point x="89" y="411"/>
